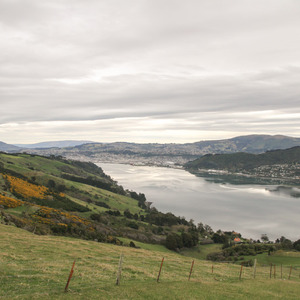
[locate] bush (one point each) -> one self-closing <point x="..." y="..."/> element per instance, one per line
<point x="216" y="256"/>
<point x="173" y="241"/>
<point x="102" y="204"/>
<point x="133" y="225"/>
<point x="132" y="244"/>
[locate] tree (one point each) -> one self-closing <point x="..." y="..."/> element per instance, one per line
<point x="264" y="238"/>
<point x="172" y="241"/>
<point x="51" y="183"/>
<point x="187" y="240"/>
<point x="219" y="238"/>
<point x="297" y="245"/>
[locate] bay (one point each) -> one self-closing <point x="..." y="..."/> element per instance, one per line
<point x="250" y="209"/>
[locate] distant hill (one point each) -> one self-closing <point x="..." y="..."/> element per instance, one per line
<point x="250" y="144"/>
<point x="8" y="147"/>
<point x="280" y="164"/>
<point x="170" y="154"/>
<point x="58" y="144"/>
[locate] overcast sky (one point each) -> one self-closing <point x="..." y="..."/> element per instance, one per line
<point x="148" y="70"/>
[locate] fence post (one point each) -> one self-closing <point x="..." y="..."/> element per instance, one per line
<point x="270" y="271"/>
<point x="191" y="270"/>
<point x="70" y="276"/>
<point x="212" y="269"/>
<point x="274" y="271"/>
<point x="119" y="270"/>
<point x="241" y="271"/>
<point x="281" y="271"/>
<point x="162" y="261"/>
<point x="290" y="272"/>
<point x="254" y="270"/>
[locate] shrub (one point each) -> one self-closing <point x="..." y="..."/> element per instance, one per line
<point x="133" y="225"/>
<point x="132" y="244"/>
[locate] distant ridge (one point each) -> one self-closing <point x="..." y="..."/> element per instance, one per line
<point x="250" y="143"/>
<point x="169" y="154"/>
<point x="58" y="144"/>
<point x="8" y="147"/>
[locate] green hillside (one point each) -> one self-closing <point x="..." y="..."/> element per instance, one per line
<point x="37" y="267"/>
<point x="245" y="161"/>
<point x="52" y="195"/>
<point x="83" y="183"/>
<point x="73" y="211"/>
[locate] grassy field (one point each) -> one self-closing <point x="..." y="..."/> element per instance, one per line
<point x="145" y="246"/>
<point x="37" y="267"/>
<point x="201" y="251"/>
<point x="278" y="258"/>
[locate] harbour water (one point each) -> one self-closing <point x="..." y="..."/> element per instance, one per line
<point x="250" y="209"/>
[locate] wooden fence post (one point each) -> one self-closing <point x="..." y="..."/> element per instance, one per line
<point x="290" y="272"/>
<point x="119" y="270"/>
<point x="271" y="270"/>
<point x="162" y="261"/>
<point x="70" y="276"/>
<point x="241" y="271"/>
<point x="212" y="269"/>
<point x="254" y="268"/>
<point x="191" y="270"/>
<point x="274" y="271"/>
<point x="281" y="271"/>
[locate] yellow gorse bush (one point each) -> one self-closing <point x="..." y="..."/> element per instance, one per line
<point x="25" y="189"/>
<point x="9" y="202"/>
<point x="44" y="214"/>
<point x="53" y="216"/>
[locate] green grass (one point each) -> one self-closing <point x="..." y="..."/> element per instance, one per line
<point x="201" y="251"/>
<point x="278" y="258"/>
<point x="115" y="201"/>
<point x="37" y="267"/>
<point x="22" y="209"/>
<point x="145" y="246"/>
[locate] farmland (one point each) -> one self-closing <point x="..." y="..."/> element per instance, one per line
<point x="35" y="267"/>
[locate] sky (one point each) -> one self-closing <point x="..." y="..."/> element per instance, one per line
<point x="166" y="71"/>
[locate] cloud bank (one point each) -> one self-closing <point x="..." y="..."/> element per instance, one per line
<point x="148" y="70"/>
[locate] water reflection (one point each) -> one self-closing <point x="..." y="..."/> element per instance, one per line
<point x="286" y="191"/>
<point x="251" y="209"/>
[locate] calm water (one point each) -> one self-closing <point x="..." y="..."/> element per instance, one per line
<point x="249" y="209"/>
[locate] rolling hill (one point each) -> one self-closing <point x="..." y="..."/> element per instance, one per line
<point x="56" y="144"/>
<point x="169" y="154"/>
<point x="246" y="161"/>
<point x="9" y="148"/>
<point x="282" y="165"/>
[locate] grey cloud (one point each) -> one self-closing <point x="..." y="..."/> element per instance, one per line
<point x="135" y="97"/>
<point x="162" y="60"/>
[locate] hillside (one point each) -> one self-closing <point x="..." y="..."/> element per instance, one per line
<point x="37" y="267"/>
<point x="276" y="164"/>
<point x="59" y="144"/>
<point x="8" y="147"/>
<point x="52" y="195"/>
<point x="169" y="154"/>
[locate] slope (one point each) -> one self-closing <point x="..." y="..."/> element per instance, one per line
<point x="37" y="267"/>
<point x="246" y="161"/>
<point x="52" y="195"/>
